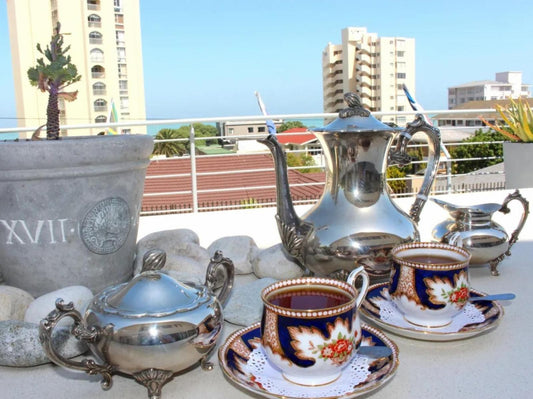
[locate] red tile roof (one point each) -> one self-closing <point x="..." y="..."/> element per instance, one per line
<point x="245" y="173"/>
<point x="305" y="136"/>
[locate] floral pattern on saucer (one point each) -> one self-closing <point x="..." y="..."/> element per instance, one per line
<point x="492" y="313"/>
<point x="236" y="352"/>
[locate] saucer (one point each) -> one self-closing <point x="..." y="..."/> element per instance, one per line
<point x="492" y="311"/>
<point x="237" y="350"/>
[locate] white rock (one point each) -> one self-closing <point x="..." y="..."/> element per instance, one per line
<point x="20" y="345"/>
<point x="184" y="267"/>
<point x="245" y="306"/>
<point x="13" y="303"/>
<point x="79" y="295"/>
<point x="272" y="262"/>
<point x="170" y="241"/>
<point x="240" y="249"/>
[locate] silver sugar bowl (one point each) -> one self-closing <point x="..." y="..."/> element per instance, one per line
<point x="149" y="328"/>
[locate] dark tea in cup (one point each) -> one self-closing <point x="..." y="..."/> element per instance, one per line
<point x="311" y="298"/>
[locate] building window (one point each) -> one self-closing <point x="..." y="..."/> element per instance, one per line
<point x="117" y="5"/>
<point x="124" y="103"/>
<point x="94" y="21"/>
<point x="100" y="105"/>
<point x="401" y="75"/>
<point x="97" y="55"/>
<point x="123" y="86"/>
<point x="400" y="53"/>
<point x="93" y="5"/>
<point x="119" y="21"/>
<point x="122" y="71"/>
<point x="100" y="119"/>
<point x="121" y="54"/>
<point x="98" y="72"/>
<point x="119" y="36"/>
<point x="250" y="130"/>
<point x="99" y="89"/>
<point x="95" y="38"/>
<point x="261" y="129"/>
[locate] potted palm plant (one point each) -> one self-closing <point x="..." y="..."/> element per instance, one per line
<point x="517" y="128"/>
<point x="69" y="206"/>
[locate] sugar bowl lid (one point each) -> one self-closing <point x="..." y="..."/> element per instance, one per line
<point x="152" y="292"/>
<point x="355" y="118"/>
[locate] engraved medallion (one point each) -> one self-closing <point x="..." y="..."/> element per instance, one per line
<point x="106" y="226"/>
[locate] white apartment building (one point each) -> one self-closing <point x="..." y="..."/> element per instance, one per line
<point x="374" y="67"/>
<point x="105" y="45"/>
<point x="506" y="85"/>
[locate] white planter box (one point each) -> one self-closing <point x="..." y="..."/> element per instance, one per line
<point x="517" y="160"/>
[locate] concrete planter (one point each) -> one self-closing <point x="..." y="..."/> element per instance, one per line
<point x="516" y="158"/>
<point x="69" y="210"/>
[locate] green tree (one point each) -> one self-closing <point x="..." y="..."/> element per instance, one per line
<point x="477" y="151"/>
<point x="183" y="147"/>
<point x="168" y="148"/>
<point x="300" y="159"/>
<point x="289" y="125"/>
<point x="53" y="76"/>
<point x="397" y="186"/>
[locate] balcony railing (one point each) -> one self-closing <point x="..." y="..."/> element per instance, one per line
<point x="445" y="182"/>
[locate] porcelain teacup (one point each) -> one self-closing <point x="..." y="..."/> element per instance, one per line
<point x="429" y="282"/>
<point x="310" y="327"/>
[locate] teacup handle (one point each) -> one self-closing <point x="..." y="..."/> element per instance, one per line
<point x="81" y="332"/>
<point x="352" y="277"/>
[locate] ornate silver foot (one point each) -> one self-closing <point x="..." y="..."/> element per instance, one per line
<point x="153" y="380"/>
<point x="206" y="365"/>
<point x="494" y="266"/>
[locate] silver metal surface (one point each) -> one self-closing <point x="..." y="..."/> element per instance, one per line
<point x="472" y="228"/>
<point x="150" y="328"/>
<point x="355" y="222"/>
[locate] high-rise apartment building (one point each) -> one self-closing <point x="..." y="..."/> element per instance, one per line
<point x="506" y="85"/>
<point x="105" y="45"/>
<point x="374" y="67"/>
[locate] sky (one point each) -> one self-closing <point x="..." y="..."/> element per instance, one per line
<point x="204" y="58"/>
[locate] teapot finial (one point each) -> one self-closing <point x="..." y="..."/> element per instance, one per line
<point x="153" y="260"/>
<point x="355" y="107"/>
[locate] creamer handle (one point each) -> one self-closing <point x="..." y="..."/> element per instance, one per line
<point x="504" y="209"/>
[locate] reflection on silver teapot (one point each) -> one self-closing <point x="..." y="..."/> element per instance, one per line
<point x="150" y="328"/>
<point x="472" y="228"/>
<point x="355" y="222"/>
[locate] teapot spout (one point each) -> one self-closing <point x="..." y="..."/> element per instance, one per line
<point x="292" y="229"/>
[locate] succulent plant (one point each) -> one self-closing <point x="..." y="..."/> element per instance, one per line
<point x="518" y="119"/>
<point x="53" y="76"/>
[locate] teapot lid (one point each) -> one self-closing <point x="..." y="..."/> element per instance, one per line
<point x="355" y="118"/>
<point x="152" y="292"/>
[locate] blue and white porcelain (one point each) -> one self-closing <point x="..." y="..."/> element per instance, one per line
<point x="429" y="294"/>
<point x="312" y="346"/>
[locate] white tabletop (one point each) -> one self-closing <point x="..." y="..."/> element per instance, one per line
<point x="495" y="364"/>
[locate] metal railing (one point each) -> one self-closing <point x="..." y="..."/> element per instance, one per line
<point x="446" y="181"/>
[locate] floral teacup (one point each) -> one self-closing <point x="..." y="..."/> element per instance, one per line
<point x="429" y="282"/>
<point x="310" y="328"/>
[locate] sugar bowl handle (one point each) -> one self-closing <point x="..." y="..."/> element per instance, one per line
<point x="81" y="332"/>
<point x="504" y="209"/>
<point x="352" y="278"/>
<point x="212" y="280"/>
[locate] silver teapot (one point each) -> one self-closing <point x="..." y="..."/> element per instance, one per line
<point x="355" y="222"/>
<point x="472" y="228"/>
<point x="150" y="328"/>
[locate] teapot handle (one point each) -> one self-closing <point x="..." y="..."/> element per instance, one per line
<point x="399" y="155"/>
<point x="504" y="209"/>
<point x="80" y="331"/>
<point x="211" y="280"/>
